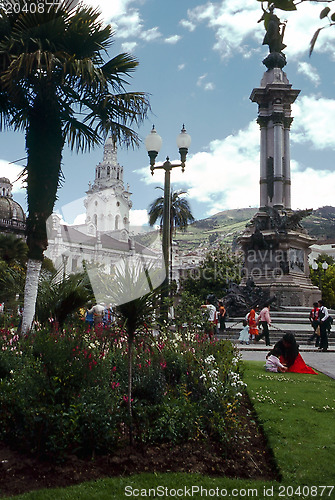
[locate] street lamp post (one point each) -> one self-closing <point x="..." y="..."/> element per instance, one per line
<point x="324" y="266"/>
<point x="153" y="143"/>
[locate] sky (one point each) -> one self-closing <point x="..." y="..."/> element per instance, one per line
<point x="199" y="62"/>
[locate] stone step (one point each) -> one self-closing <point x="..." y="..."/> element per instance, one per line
<point x="301" y="337"/>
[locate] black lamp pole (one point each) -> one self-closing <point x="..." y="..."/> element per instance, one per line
<point x="153" y="143"/>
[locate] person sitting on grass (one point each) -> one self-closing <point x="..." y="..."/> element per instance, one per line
<point x="273" y="363"/>
<point x="290" y="355"/>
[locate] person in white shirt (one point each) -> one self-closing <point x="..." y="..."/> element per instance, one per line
<point x="212" y="317"/>
<point x="323" y="319"/>
<point x="273" y="363"/>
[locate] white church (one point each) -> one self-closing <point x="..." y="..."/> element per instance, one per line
<point x="105" y="236"/>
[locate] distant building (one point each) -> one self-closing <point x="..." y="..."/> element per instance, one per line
<point x="12" y="216"/>
<point x="322" y="247"/>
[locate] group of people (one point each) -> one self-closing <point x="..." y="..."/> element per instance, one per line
<point x="320" y="320"/>
<point x="99" y="314"/>
<point x="252" y="323"/>
<point x="216" y="317"/>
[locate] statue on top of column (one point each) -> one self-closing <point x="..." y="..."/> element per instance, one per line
<point x="274" y="34"/>
<point x="274" y="39"/>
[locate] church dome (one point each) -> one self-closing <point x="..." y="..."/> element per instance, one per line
<point x="11" y="210"/>
<point x="12" y="216"/>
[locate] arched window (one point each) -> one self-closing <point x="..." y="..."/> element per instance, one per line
<point x="117" y="221"/>
<point x="95" y="220"/>
<point x="108" y="171"/>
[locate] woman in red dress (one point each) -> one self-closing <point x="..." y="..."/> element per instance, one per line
<point x="252" y="318"/>
<point x="290" y="355"/>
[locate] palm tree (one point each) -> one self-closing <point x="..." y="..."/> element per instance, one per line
<point x="58" y="298"/>
<point x="56" y="85"/>
<point x="180" y="215"/>
<point x="13" y="250"/>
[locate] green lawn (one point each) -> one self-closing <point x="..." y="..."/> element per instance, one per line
<point x="297" y="413"/>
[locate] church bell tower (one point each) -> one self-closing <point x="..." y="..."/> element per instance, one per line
<point x="108" y="202"/>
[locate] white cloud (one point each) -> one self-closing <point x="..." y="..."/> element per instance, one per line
<point x="151" y="34"/>
<point x="314" y="122"/>
<point x="129" y="25"/>
<point x="310" y="196"/>
<point x="80" y="219"/>
<point x="138" y="217"/>
<point x="129" y="47"/>
<point x="73" y="212"/>
<point x="188" y="24"/>
<point x="172" y="39"/>
<point x="310" y="72"/>
<point x="111" y="10"/>
<point x="181" y="67"/>
<point x="12" y="172"/>
<point x="203" y="84"/>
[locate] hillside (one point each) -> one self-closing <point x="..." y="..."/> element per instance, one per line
<point x="227" y="225"/>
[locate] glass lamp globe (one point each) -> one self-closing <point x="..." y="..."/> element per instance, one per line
<point x="183" y="139"/>
<point x="153" y="141"/>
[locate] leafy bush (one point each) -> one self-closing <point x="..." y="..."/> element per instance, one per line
<point x="67" y="392"/>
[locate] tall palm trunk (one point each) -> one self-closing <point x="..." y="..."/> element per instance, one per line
<point x="44" y="144"/>
<point x="30" y="293"/>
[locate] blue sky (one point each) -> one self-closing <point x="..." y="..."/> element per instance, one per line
<point x="199" y="61"/>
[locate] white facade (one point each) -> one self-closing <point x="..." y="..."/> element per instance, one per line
<point x="107" y="202"/>
<point x="104" y="238"/>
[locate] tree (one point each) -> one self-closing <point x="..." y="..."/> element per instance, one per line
<point x="13" y="250"/>
<point x="219" y="267"/>
<point x="58" y="298"/>
<point x="180" y="216"/>
<point x="56" y="85"/>
<point x="325" y="278"/>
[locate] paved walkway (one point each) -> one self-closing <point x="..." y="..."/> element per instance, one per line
<point x="321" y="361"/>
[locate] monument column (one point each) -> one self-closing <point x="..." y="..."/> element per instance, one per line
<point x="274" y="243"/>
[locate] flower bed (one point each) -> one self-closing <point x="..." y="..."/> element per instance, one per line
<point x="66" y="393"/>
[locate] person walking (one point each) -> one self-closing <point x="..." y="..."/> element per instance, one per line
<point x="252" y="319"/>
<point x="265" y="320"/>
<point x="323" y="319"/>
<point x="222" y="316"/>
<point x="313" y="318"/>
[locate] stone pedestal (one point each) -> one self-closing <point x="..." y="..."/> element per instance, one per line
<point x="276" y="253"/>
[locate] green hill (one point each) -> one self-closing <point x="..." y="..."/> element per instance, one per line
<point x="227" y="225"/>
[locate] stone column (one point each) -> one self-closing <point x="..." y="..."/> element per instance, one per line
<point x="287" y="164"/>
<point x="278" y="160"/>
<point x="263" y="122"/>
